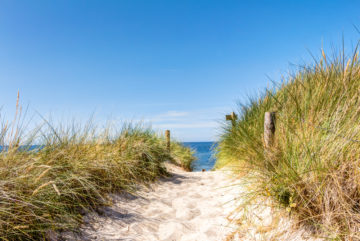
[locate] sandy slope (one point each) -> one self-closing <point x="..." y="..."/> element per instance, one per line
<point x="187" y="206"/>
<point x="192" y="206"/>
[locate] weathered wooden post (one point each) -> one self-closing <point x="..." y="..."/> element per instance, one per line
<point x="167" y="135"/>
<point x="232" y="117"/>
<point x="269" y="128"/>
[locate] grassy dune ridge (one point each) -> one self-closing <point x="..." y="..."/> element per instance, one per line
<point x="313" y="168"/>
<point x="51" y="188"/>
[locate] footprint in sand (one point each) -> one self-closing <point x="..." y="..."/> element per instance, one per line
<point x="170" y="231"/>
<point x="164" y="216"/>
<point x="187" y="214"/>
<point x="182" y="208"/>
<point x="196" y="196"/>
<point x="191" y="205"/>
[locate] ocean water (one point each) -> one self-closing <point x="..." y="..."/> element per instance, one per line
<point x="204" y="153"/>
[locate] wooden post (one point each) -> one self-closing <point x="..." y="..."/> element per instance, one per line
<point x="167" y="135"/>
<point x="232" y="117"/>
<point x="269" y="128"/>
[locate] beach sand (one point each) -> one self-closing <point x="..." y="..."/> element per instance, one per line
<point x="188" y="206"/>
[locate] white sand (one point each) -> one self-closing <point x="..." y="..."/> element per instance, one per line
<point x="187" y="206"/>
<point x="192" y="206"/>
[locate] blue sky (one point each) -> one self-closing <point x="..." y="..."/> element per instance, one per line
<point x="181" y="65"/>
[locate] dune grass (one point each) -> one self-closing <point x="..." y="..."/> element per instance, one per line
<point x="49" y="188"/>
<point x="182" y="155"/>
<point x="313" y="170"/>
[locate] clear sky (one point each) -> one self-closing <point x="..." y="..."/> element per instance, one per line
<point x="181" y="65"/>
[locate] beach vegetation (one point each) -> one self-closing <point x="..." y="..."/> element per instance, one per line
<point x="312" y="170"/>
<point x="51" y="176"/>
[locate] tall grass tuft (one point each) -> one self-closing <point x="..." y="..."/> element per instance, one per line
<point x="183" y="156"/>
<point x="72" y="171"/>
<point x="314" y="167"/>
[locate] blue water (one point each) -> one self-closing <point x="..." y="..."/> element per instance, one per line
<point x="22" y="148"/>
<point x="204" y="154"/>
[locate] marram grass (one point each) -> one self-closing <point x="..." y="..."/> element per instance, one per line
<point x="313" y="169"/>
<point x="51" y="187"/>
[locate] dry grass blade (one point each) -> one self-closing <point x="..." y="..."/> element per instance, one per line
<point x="73" y="170"/>
<point x="314" y="166"/>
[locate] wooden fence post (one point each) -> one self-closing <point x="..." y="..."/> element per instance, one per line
<point x="167" y="135"/>
<point x="232" y="117"/>
<point x="269" y="128"/>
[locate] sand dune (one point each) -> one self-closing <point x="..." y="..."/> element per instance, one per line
<point x="187" y="206"/>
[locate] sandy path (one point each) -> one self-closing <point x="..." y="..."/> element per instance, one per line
<point x="187" y="206"/>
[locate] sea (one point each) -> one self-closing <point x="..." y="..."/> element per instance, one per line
<point x="204" y="153"/>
